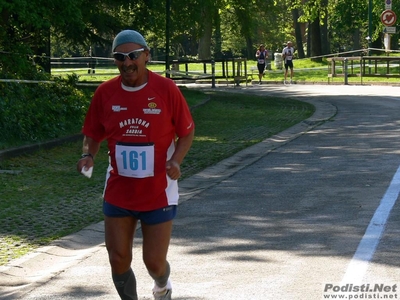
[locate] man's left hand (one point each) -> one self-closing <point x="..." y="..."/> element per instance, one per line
<point x="173" y="169"/>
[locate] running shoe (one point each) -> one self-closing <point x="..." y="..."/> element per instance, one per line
<point x="162" y="293"/>
<point x="166" y="295"/>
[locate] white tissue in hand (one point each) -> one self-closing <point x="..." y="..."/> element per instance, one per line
<point x="87" y="172"/>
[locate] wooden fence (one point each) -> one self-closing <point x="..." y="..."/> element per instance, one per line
<point x="234" y="69"/>
<point x="364" y="66"/>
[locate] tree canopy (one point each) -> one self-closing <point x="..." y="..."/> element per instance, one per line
<point x="38" y="29"/>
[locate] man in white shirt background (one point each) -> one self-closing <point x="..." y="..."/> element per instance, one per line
<point x="287" y="55"/>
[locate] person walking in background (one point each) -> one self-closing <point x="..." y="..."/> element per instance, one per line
<point x="262" y="56"/>
<point x="149" y="130"/>
<point x="287" y="56"/>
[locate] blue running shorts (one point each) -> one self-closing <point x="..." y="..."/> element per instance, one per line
<point x="152" y="217"/>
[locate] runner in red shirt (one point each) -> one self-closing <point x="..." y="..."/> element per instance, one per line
<point x="149" y="129"/>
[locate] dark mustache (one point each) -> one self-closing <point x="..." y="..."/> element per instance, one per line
<point x="129" y="68"/>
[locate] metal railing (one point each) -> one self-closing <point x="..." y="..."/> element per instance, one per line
<point x="364" y="66"/>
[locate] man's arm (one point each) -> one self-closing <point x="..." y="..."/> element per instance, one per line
<point x="90" y="148"/>
<point x="181" y="149"/>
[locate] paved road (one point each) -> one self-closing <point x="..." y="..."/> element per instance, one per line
<point x="308" y="214"/>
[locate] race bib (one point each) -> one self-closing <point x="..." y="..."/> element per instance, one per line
<point x="135" y="160"/>
<point x="289" y="55"/>
<point x="261" y="61"/>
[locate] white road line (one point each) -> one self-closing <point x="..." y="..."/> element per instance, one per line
<point x="366" y="249"/>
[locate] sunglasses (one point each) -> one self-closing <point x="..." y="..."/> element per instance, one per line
<point x="133" y="55"/>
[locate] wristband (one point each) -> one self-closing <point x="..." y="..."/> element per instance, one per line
<point x="86" y="155"/>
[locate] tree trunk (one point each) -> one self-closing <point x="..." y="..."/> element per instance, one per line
<point x="356" y="39"/>
<point x="377" y="44"/>
<point x="316" y="41"/>
<point x="205" y="39"/>
<point x="249" y="48"/>
<point x="394" y="42"/>
<point x="43" y="52"/>
<point x="325" y="45"/>
<point x="218" y="36"/>
<point x="299" y="37"/>
<point x="309" y="34"/>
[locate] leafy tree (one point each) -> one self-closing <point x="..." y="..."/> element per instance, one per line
<point x="26" y="27"/>
<point x="349" y="22"/>
<point x="198" y="28"/>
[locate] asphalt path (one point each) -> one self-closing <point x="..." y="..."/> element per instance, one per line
<point x="311" y="213"/>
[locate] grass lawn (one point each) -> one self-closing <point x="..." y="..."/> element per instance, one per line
<point x="305" y="71"/>
<point x="44" y="198"/>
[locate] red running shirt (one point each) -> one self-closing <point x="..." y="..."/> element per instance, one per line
<point x="140" y="128"/>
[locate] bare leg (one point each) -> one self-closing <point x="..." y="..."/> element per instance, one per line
<point x="119" y="233"/>
<point x="156" y="240"/>
<point x="260" y="77"/>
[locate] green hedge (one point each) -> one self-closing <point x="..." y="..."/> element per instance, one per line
<point x="37" y="112"/>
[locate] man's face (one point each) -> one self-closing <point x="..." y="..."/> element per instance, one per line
<point x="133" y="71"/>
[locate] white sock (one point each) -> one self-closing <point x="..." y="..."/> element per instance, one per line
<point x="157" y="289"/>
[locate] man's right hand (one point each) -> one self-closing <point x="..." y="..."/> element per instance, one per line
<point x="85" y="162"/>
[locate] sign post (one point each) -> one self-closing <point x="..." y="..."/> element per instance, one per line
<point x="388" y="19"/>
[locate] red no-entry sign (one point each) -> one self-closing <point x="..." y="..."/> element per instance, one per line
<point x="388" y="17"/>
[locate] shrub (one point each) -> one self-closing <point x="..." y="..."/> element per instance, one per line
<point x="32" y="112"/>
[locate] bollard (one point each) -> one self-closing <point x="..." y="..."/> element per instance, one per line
<point x="346" y="82"/>
<point x="91" y="63"/>
<point x="238" y="72"/>
<point x="213" y="73"/>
